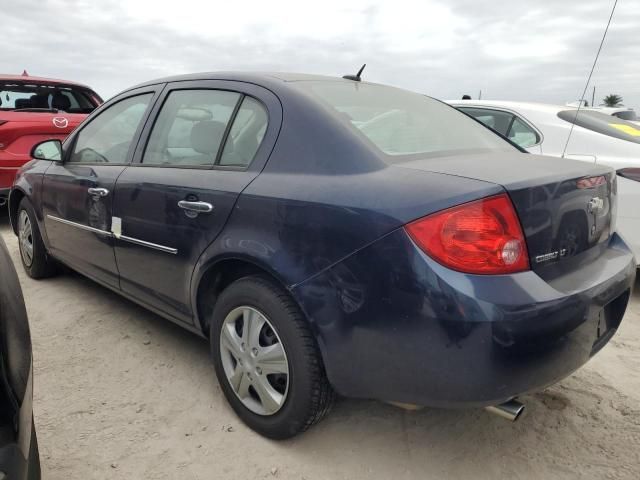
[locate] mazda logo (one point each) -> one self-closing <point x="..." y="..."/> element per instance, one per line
<point x="60" y="122"/>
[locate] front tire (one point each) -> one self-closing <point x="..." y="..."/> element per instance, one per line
<point x="266" y="359"/>
<point x="35" y="259"/>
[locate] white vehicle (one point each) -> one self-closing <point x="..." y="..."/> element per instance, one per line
<point x="597" y="137"/>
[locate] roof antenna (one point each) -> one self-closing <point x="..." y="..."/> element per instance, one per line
<point x="356" y="77"/>
<point x="566" y="145"/>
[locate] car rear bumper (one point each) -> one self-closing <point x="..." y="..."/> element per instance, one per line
<point x="394" y="325"/>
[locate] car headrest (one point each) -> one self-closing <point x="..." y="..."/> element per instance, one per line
<point x="40" y="100"/>
<point x="60" y="102"/>
<point x="206" y="136"/>
<point x="23" y="103"/>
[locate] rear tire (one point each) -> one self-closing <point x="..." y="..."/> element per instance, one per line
<point x="293" y="401"/>
<point x="35" y="259"/>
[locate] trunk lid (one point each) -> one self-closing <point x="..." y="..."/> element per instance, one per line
<point x="565" y="207"/>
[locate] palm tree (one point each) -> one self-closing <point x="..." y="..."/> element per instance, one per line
<point x="612" y="100"/>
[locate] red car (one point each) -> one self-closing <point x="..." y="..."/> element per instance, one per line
<point x="34" y="109"/>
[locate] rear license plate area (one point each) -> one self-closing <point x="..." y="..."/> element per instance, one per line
<point x="608" y="320"/>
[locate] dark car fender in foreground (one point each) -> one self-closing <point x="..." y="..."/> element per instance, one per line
<point x="18" y="443"/>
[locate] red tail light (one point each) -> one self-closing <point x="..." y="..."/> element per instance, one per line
<point x="482" y="237"/>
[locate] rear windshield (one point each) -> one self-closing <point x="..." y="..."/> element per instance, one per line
<point x="603" y="123"/>
<point x="401" y="123"/>
<point x="21" y="96"/>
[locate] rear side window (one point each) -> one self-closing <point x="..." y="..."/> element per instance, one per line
<point x="522" y="134"/>
<point x="494" y="119"/>
<point x="190" y="128"/>
<point x="246" y="134"/>
<point x="401" y="123"/>
<point x="506" y="124"/>
<point x="602" y="123"/>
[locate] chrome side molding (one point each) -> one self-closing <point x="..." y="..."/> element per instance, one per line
<point x="143" y="243"/>
<point x="80" y="226"/>
<point x="116" y="234"/>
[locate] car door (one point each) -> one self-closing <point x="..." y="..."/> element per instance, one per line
<point x="508" y="125"/>
<point x="78" y="192"/>
<point x="209" y="140"/>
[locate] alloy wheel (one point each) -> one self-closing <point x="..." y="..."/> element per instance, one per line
<point x="254" y="360"/>
<point x="25" y="237"/>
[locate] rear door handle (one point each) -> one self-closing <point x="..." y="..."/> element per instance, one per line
<point x="198" y="207"/>
<point x="98" y="192"/>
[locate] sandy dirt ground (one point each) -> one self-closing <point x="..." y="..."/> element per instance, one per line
<point x="123" y="394"/>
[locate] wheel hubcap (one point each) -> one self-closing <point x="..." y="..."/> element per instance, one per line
<point x="25" y="237"/>
<point x="254" y="360"/>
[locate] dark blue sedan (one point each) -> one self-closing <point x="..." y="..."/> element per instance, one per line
<point x="331" y="235"/>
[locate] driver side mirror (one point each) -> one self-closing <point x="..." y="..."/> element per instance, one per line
<point x="48" y="150"/>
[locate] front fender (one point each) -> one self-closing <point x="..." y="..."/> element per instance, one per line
<point x="28" y="183"/>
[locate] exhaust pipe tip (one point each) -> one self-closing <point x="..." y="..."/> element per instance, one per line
<point x="510" y="410"/>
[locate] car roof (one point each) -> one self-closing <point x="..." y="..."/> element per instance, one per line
<point x="41" y="80"/>
<point x="260" y="78"/>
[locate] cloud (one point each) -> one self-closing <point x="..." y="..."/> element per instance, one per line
<point x="514" y="50"/>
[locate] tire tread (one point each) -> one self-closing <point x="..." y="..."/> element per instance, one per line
<point x="322" y="394"/>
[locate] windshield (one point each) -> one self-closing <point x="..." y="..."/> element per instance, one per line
<point x="400" y="123"/>
<point x="34" y="97"/>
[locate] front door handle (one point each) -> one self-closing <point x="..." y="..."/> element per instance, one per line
<point x="98" y="192"/>
<point x="198" y="207"/>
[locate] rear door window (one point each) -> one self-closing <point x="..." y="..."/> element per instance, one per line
<point x="494" y="119"/>
<point x="190" y="128"/>
<point x="602" y="123"/>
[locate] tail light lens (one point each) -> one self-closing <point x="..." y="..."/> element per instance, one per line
<point x="630" y="173"/>
<point x="482" y="237"/>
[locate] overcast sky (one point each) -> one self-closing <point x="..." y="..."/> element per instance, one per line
<point x="511" y="49"/>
